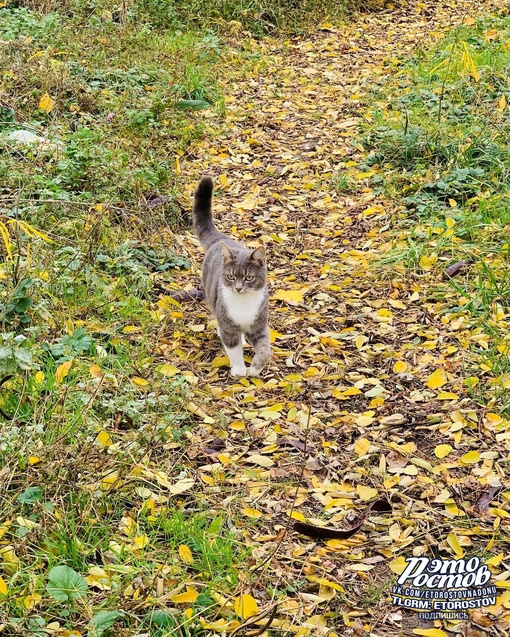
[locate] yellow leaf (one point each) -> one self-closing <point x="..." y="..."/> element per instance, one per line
<point x="220" y="625"/>
<point x="362" y="446"/>
<point x="221" y="361"/>
<point x="246" y="606"/>
<point x="39" y="377"/>
<point x="400" y="367"/>
<point x="442" y="450"/>
<point x="31" y="600"/>
<point x="98" y="578"/>
<point x="10" y="561"/>
<point x="297" y="515"/>
<point x="273" y="335"/>
<point x="140" y="541"/>
<point x="437" y="379"/>
<point x="447" y="395"/>
<point x="290" y="296"/>
<point x="46" y="103"/>
<point x="360" y="341"/>
<point x="181" y="485"/>
<point x="351" y="391"/>
<point x="471" y="457"/>
<point x="185" y="554"/>
<point x="427" y="263"/>
<point x="325" y="582"/>
<point x="3" y="587"/>
<point x="62" y="371"/>
<point x="131" y="329"/>
<point x="452" y="508"/>
<point x="398" y="565"/>
<point x="177" y="166"/>
<point x="168" y="370"/>
<point x="111" y="481"/>
<point x="430" y="632"/>
<point x="104" y="438"/>
<point x="453" y="204"/>
<point x="252" y="513"/>
<point x="95" y="371"/>
<point x="141" y="382"/>
<point x="366" y="493"/>
<point x="502" y="103"/>
<point x="186" y="598"/>
<point x="454" y="544"/>
<point x="259" y="459"/>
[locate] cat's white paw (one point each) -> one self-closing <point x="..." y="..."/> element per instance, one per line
<point x="238" y="370"/>
<point x="253" y="371"/>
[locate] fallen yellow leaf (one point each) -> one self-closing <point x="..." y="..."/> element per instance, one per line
<point x="168" y="370"/>
<point x="95" y="371"/>
<point x="29" y="601"/>
<point x="366" y="493"/>
<point x="252" y="513"/>
<point x="104" y="438"/>
<point x="400" y="367"/>
<point x="246" y="606"/>
<point x="398" y="565"/>
<point x="442" y="450"/>
<point x="437" y="379"/>
<point x="290" y="296"/>
<point x="141" y="382"/>
<point x="62" y="371"/>
<point x="46" y="103"/>
<point x="447" y="395"/>
<point x="454" y="544"/>
<point x="186" y="554"/>
<point x="471" y="457"/>
<point x="186" y="598"/>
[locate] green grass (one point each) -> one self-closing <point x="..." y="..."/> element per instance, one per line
<point x="86" y="417"/>
<point x="258" y="16"/>
<point x="116" y="116"/>
<point x="93" y="434"/>
<point x="440" y="148"/>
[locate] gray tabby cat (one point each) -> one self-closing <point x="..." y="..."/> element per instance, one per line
<point x="235" y="286"/>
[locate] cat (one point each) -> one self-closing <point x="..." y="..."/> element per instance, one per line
<point x="234" y="279"/>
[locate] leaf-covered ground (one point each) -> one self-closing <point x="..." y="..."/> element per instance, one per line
<point x="377" y="355"/>
<point x="181" y="523"/>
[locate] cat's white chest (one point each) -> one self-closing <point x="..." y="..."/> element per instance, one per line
<point x="242" y="308"/>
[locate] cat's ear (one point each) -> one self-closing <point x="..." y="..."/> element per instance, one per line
<point x="258" y="256"/>
<point x="228" y="255"/>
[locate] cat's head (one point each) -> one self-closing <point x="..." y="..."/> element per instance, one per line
<point x="243" y="270"/>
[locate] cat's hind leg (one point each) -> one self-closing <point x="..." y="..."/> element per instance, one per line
<point x="262" y="345"/>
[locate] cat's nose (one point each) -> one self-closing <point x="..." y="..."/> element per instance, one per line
<point x="239" y="288"/>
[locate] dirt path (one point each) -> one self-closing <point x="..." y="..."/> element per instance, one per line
<point x="353" y="345"/>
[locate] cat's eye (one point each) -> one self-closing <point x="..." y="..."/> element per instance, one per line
<point x="230" y="277"/>
<point x="249" y="278"/>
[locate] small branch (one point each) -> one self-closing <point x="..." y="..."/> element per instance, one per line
<point x="190" y="295"/>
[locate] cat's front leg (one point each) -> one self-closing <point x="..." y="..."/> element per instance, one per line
<point x="234" y="348"/>
<point x="262" y="345"/>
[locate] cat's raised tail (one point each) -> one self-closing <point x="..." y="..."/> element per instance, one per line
<point x="202" y="216"/>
